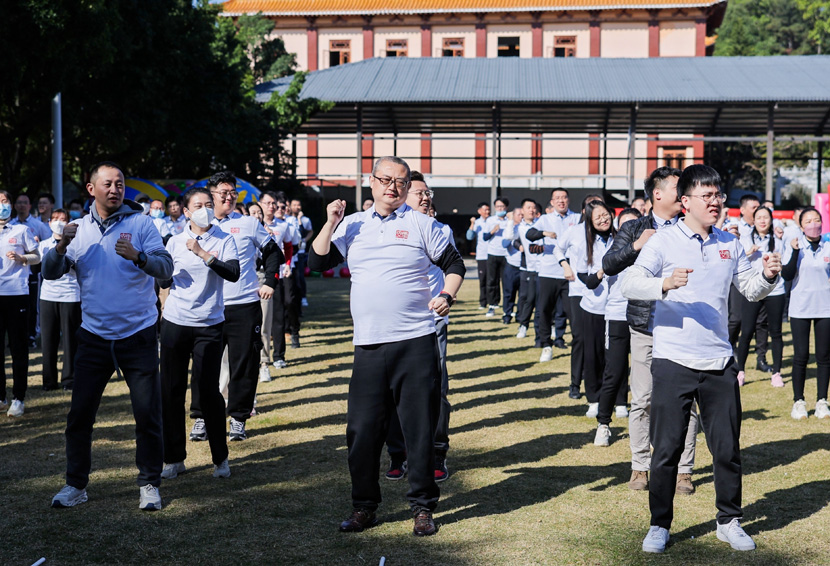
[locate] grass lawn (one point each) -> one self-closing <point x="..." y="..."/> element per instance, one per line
<point x="527" y="485"/>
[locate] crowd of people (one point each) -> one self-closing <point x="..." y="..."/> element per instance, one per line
<point x="663" y="298"/>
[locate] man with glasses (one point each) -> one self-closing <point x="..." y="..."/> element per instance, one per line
<point x="688" y="269"/>
<point x="390" y="249"/>
<point x="243" y="314"/>
<point x="302" y="224"/>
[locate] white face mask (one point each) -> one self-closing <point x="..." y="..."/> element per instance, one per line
<point x="57" y="226"/>
<point x="202" y="217"/>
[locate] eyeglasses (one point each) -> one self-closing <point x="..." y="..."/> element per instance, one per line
<point x="429" y="193"/>
<point x="387" y="181"/>
<point x="281" y="207"/>
<point x="603" y="218"/>
<point x="225" y="194"/>
<point x="710" y="198"/>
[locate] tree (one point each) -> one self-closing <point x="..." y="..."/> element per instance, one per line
<point x="763" y="27"/>
<point x="268" y="56"/>
<point x="817" y="13"/>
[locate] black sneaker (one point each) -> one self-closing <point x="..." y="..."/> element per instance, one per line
<point x="762" y="365"/>
<point x="295" y="340"/>
<point x="559" y="343"/>
<point x="574" y="393"/>
<point x="397" y="471"/>
<point x="441" y="471"/>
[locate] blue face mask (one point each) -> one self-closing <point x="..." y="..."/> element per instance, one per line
<point x="157" y="213"/>
<point x="501" y="213"/>
<point x="5" y="210"/>
<point x="74" y="214"/>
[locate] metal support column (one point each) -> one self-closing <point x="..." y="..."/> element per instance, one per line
<point x="358" y="186"/>
<point x="605" y="161"/>
<point x="820" y="163"/>
<point x="632" y="135"/>
<point x="57" y="152"/>
<point x="768" y="194"/>
<point x="494" y="186"/>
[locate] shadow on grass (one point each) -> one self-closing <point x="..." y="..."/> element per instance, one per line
<point x="502" y="383"/>
<point x="486" y="371"/>
<point x="540" y="393"/>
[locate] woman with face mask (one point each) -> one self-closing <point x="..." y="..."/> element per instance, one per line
<point x="18" y="250"/>
<point x="60" y="314"/>
<point x="758" y="243"/>
<point x="808" y="267"/>
<point x="204" y="257"/>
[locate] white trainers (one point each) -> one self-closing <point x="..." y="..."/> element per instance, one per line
<point x="3" y="405"/>
<point x="150" y="499"/>
<point x="16" y="409"/>
<point x="304" y="302"/>
<point x="173" y="470"/>
<point x="264" y="374"/>
<point x="237" y="430"/>
<point x="69" y="497"/>
<point x="547" y="354"/>
<point x="799" y="411"/>
<point x="656" y="540"/>
<point x="279" y="364"/>
<point x="593" y="410"/>
<point x="621" y="412"/>
<point x="734" y="534"/>
<point x="822" y="410"/>
<point x="198" y="433"/>
<point x="522" y="333"/>
<point x="490" y="312"/>
<point x="603" y="436"/>
<point x="223" y="470"/>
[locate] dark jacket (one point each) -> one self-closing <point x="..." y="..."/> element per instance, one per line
<point x="621" y="255"/>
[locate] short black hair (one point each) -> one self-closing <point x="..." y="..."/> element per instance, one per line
<point x="193" y="192"/>
<point x="657" y="177"/>
<point x="47" y="196"/>
<point x="487" y="204"/>
<point x="271" y="194"/>
<point x="222" y="177"/>
<point x="416" y="176"/>
<point x="560" y="189"/>
<point x="172" y="198"/>
<point x="805" y="211"/>
<point x="6" y="194"/>
<point x="697" y="176"/>
<point x="631" y="211"/>
<point x="23" y="195"/>
<point x="503" y="200"/>
<point x="93" y="171"/>
<point x="748" y="197"/>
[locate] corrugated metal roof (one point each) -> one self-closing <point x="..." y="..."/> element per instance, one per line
<point x="572" y="80"/>
<point x="346" y="7"/>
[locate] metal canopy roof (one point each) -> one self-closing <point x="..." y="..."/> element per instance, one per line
<point x="705" y="95"/>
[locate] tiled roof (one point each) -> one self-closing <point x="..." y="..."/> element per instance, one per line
<point x="369" y="7"/>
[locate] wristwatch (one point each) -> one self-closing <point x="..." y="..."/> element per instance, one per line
<point x="141" y="261"/>
<point x="448" y="297"/>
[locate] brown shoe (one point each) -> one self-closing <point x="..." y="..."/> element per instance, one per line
<point x="684" y="484"/>
<point x="359" y="519"/>
<point x="424" y="525"/>
<point x="638" y="481"/>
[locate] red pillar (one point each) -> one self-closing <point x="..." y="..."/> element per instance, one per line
<point x="426" y="154"/>
<point x="481" y="154"/>
<point x="312" y="156"/>
<point x="698" y="149"/>
<point x="700" y="37"/>
<point x="536" y="30"/>
<point x="368" y="42"/>
<point x="536" y="154"/>
<point x="593" y="155"/>
<point x="481" y="40"/>
<point x="654" y="38"/>
<point x="311" y="34"/>
<point x="367" y="149"/>
<point x="595" y="45"/>
<point x="426" y="40"/>
<point x="651" y="153"/>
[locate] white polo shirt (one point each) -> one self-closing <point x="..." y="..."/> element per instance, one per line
<point x="594" y="300"/>
<point x="40" y="229"/>
<point x="282" y="232"/>
<point x="63" y="290"/>
<point x="531" y="260"/>
<point x="756" y="259"/>
<point x="559" y="224"/>
<point x="196" y="295"/>
<point x="616" y="305"/>
<point x="481" y="245"/>
<point x="389" y="259"/>
<point x="14" y="277"/>
<point x="117" y="298"/>
<point x="514" y="256"/>
<point x="690" y="323"/>
<point x="297" y="223"/>
<point x="494" y="244"/>
<point x="810" y="294"/>
<point x="175" y="227"/>
<point x="571" y="245"/>
<point x="436" y="276"/>
<point x="249" y="236"/>
<point x="161" y="226"/>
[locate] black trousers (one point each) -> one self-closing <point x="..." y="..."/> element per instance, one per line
<point x="299" y="270"/>
<point x="13" y="321"/>
<point x="750" y="311"/>
<point x="286" y="313"/>
<point x="552" y="293"/>
<point x="400" y="377"/>
<point x="575" y="315"/>
<point x="59" y="324"/>
<point x="241" y="335"/>
<point x="719" y="406"/>
<point x="801" y="353"/>
<point x="482" y="282"/>
<point x="614" y="389"/>
<point x="136" y="357"/>
<point x="528" y="286"/>
<point x="204" y="344"/>
<point x="594" y="353"/>
<point x="510" y="285"/>
<point x="495" y="271"/>
<point x="735" y="326"/>
<point x="32" y="298"/>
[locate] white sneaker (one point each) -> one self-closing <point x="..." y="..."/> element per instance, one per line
<point x="822" y="410"/>
<point x="237" y="430"/>
<point x="799" y="411"/>
<point x="490" y="312"/>
<point x="603" y="436"/>
<point x="522" y="333"/>
<point x="656" y="540"/>
<point x="621" y="412"/>
<point x="593" y="410"/>
<point x="150" y="498"/>
<point x="223" y="470"/>
<point x="16" y="409"/>
<point x="69" y="497"/>
<point x="304" y="302"/>
<point x="264" y="374"/>
<point x="734" y="534"/>
<point x="279" y="364"/>
<point x="173" y="470"/>
<point x="198" y="433"/>
<point x="547" y="354"/>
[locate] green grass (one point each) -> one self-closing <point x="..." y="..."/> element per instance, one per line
<point x="527" y="486"/>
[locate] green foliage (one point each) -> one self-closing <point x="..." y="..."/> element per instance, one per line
<point x="817" y="12"/>
<point x="764" y="27"/>
<point x="165" y="88"/>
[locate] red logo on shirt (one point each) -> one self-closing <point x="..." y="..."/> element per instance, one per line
<point x="402" y="234"/>
<point x="12" y="240"/>
<point x="826" y="259"/>
<point x="127" y="236"/>
<point x="234" y="230"/>
<point x="724" y="254"/>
